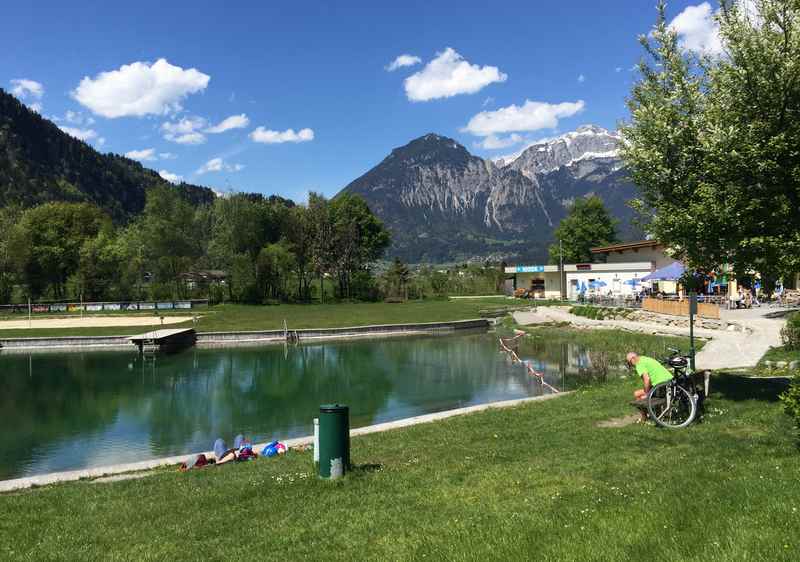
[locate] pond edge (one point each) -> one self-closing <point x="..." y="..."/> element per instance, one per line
<point x="97" y="472"/>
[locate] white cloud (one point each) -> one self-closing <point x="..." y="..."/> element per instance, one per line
<point x="493" y="142"/>
<point x="219" y="165"/>
<point x="697" y="31"/>
<point x="618" y="69"/>
<point x="35" y="106"/>
<point x="268" y="136"/>
<point x="232" y="122"/>
<point x="23" y="88"/>
<point x="170" y="177"/>
<point x="448" y="75"/>
<point x="188" y="138"/>
<point x="167" y="155"/>
<point x="146" y="154"/>
<point x="139" y="89"/>
<point x="531" y="116"/>
<point x="489" y="100"/>
<point x="77" y="118"/>
<point x="80" y="134"/>
<point x="101" y="141"/>
<point x="185" y="131"/>
<point x="401" y="61"/>
<point x="581" y="78"/>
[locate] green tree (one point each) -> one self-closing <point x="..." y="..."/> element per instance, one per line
<point x="100" y="268"/>
<point x="168" y="239"/>
<point x="9" y="217"/>
<point x="587" y="225"/>
<point x="712" y="142"/>
<point x="359" y="238"/>
<point x="300" y="233"/>
<point x="47" y="244"/>
<point x="397" y="278"/>
<point x="322" y="242"/>
<point x="275" y="265"/>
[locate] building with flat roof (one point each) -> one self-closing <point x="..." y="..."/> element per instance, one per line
<point x="619" y="273"/>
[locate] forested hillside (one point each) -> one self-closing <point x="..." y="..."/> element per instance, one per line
<point x="39" y="163"/>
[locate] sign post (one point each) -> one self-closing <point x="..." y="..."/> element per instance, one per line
<point x="692" y="312"/>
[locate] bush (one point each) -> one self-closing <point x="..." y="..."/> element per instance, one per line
<point x="790" y="333"/>
<point x="791" y="400"/>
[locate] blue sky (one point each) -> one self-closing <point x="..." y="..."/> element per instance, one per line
<point x="309" y="80"/>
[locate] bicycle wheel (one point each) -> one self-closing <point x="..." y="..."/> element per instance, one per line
<point x="670" y="405"/>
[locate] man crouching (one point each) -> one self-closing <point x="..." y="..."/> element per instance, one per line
<point x="652" y="373"/>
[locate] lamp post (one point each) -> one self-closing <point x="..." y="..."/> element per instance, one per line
<point x="561" y="281"/>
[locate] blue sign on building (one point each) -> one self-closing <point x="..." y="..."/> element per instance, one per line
<point x="530" y="268"/>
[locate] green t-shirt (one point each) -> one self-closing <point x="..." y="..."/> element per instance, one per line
<point x="655" y="370"/>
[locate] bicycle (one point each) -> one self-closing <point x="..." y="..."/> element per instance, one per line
<point x="675" y="403"/>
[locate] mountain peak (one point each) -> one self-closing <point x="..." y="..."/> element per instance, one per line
<point x="430" y="148"/>
<point x="587" y="142"/>
<point x="594" y="129"/>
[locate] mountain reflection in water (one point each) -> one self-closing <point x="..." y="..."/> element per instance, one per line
<point x="74" y="410"/>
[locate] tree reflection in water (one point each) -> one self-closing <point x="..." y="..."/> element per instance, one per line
<point x="80" y="409"/>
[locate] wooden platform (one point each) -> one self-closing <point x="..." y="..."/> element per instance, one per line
<point x="165" y="340"/>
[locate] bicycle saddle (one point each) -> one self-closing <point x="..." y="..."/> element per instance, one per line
<point x="678" y="362"/>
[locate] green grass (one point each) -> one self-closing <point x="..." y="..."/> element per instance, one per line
<point x="536" y="482"/>
<point x="781" y="354"/>
<point x="614" y="342"/>
<point x="230" y="317"/>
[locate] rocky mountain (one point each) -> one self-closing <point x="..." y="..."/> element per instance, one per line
<point x="444" y="204"/>
<point x="39" y="163"/>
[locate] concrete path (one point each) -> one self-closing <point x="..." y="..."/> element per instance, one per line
<point x="725" y="350"/>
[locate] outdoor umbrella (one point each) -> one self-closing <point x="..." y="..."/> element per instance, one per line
<point x="670" y="272"/>
<point x="632" y="282"/>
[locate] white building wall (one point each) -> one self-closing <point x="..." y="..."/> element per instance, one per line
<point x="654" y="255"/>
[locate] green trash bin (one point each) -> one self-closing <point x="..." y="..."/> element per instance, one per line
<point x="334" y="440"/>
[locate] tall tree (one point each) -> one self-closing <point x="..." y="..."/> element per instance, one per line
<point x="322" y="245"/>
<point x="587" y="225"/>
<point x="300" y="234"/>
<point x="48" y="241"/>
<point x="397" y="277"/>
<point x="168" y="237"/>
<point x="359" y="238"/>
<point x="712" y="142"/>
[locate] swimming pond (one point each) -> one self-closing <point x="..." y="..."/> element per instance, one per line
<point x="73" y="410"/>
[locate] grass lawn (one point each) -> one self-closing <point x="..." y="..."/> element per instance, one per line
<point x="230" y="317"/>
<point x="781" y="354"/>
<point x="536" y="482"/>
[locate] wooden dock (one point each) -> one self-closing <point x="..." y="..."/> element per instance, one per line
<point x="165" y="340"/>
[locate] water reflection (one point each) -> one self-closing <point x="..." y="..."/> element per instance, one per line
<point x="74" y="410"/>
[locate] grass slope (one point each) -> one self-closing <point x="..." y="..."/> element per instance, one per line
<point x="537" y="482"/>
<point x="231" y="317"/>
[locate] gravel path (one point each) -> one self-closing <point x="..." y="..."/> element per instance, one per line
<point x="725" y="350"/>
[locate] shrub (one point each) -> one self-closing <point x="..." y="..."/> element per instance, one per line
<point x="791" y="400"/>
<point x="790" y="333"/>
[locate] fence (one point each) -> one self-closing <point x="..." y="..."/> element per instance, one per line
<point x="68" y="307"/>
<point x="680" y="308"/>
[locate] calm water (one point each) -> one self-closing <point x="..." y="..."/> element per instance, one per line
<point x="65" y="411"/>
